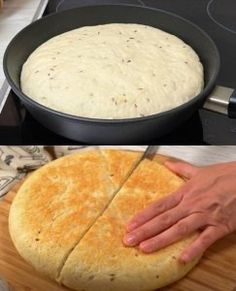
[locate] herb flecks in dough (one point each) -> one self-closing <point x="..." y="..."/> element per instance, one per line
<point x="116" y="59"/>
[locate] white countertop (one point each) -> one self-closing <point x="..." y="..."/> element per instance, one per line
<point x="201" y="155"/>
<point x="14" y="16"/>
<point x="197" y="155"/>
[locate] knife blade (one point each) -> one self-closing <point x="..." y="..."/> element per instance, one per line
<point x="150" y="152"/>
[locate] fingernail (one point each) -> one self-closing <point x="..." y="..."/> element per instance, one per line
<point x="132" y="226"/>
<point x="145" y="247"/>
<point x="130" y="239"/>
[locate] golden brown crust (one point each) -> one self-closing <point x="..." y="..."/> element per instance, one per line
<point x="58" y="203"/>
<point x="55" y="207"/>
<point x="52" y="213"/>
<point x="120" y="163"/>
<point x="101" y="260"/>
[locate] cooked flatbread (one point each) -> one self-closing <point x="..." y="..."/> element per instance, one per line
<point x="59" y="202"/>
<point x="113" y="71"/>
<point x="101" y="262"/>
<point x="68" y="221"/>
<point x="56" y="206"/>
<point x="119" y="163"/>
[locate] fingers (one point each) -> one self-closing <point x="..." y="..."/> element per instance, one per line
<point x="182" y="169"/>
<point x="155" y="209"/>
<point x="166" y="203"/>
<point x="154" y="226"/>
<point x="205" y="239"/>
<point x="182" y="228"/>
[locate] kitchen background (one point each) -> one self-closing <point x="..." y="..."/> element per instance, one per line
<point x="215" y="269"/>
<point x="210" y="125"/>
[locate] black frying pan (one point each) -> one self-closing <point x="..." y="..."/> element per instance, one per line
<point x="101" y="131"/>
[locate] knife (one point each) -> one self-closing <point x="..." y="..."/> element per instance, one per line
<point x="150" y="152"/>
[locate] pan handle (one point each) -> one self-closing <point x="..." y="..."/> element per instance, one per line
<point x="222" y="100"/>
<point x="232" y="105"/>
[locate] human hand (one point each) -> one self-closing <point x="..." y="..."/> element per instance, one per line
<point x="207" y="202"/>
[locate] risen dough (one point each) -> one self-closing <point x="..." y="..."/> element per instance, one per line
<point x="113" y="71"/>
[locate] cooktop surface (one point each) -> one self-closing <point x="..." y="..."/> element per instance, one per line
<point x="216" y="17"/>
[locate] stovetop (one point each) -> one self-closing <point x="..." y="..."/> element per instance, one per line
<point x="216" y="17"/>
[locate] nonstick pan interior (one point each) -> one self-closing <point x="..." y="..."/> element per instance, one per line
<point x="42" y="30"/>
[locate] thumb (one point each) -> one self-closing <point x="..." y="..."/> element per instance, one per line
<point x="182" y="169"/>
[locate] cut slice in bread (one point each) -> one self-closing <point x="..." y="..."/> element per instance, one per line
<point x="101" y="262"/>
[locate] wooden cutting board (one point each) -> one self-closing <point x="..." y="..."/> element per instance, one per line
<point x="216" y="270"/>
